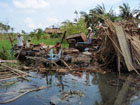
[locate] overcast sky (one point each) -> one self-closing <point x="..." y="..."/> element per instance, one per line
<point x="31" y="14"/>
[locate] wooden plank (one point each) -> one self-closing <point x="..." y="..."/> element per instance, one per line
<point x="84" y="37"/>
<point x="10" y="78"/>
<point x="73" y="36"/>
<point x="80" y="35"/>
<point x="8" y="61"/>
<point x="124" y="47"/>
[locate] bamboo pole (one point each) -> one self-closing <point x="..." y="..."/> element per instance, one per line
<point x="28" y="91"/>
<point x="14" y="70"/>
<point x="66" y="64"/>
<point x="19" y="52"/>
<point x="8" y="61"/>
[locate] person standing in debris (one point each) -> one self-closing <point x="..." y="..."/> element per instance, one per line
<point x="89" y="35"/>
<point x="28" y="43"/>
<point x="57" y="46"/>
<point x="20" y="40"/>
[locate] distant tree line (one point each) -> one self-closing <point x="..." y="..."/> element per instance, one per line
<point x="83" y="20"/>
<point x="4" y="28"/>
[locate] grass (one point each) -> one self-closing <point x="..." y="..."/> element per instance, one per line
<point x="49" y="42"/>
<point x="5" y="45"/>
<point x="45" y="41"/>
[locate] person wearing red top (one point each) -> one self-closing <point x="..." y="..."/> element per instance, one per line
<point x="57" y="46"/>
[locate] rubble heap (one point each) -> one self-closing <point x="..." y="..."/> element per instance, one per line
<point x="120" y="45"/>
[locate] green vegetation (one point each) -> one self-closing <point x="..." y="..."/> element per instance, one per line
<point x="96" y="16"/>
<point x="37" y="33"/>
<point x="73" y="28"/>
<point x="5" y="45"/>
<point x="54" y="35"/>
<point x="5" y="49"/>
<point x="50" y="41"/>
<point x="99" y="13"/>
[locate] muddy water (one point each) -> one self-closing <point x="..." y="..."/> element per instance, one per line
<point x="86" y="89"/>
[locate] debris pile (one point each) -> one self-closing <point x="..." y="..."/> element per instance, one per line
<point x="120" y="45"/>
<point x="8" y="72"/>
<point x="79" y="41"/>
<point x="34" y="50"/>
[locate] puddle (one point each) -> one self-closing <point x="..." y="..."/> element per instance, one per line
<point x="90" y="89"/>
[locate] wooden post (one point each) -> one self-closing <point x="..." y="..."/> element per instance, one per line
<point x="10" y="40"/>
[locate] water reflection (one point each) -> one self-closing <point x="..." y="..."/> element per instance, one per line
<point x="49" y="79"/>
<point x="88" y="89"/>
<point x="107" y="91"/>
<point x="60" y="82"/>
<point x="87" y="78"/>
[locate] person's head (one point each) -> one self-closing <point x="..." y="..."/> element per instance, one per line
<point x="58" y="43"/>
<point x="89" y="29"/>
<point x="18" y="34"/>
<point x="29" y="40"/>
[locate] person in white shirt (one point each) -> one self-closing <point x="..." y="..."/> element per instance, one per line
<point x="20" y="40"/>
<point x="28" y="43"/>
<point x="138" y="25"/>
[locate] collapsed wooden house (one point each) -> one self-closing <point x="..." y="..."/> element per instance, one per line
<point x="53" y="30"/>
<point x="120" y="46"/>
<point x="73" y="39"/>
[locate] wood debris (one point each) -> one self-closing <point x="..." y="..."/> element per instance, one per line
<point x="120" y="45"/>
<point x="7" y="72"/>
<point x="23" y="92"/>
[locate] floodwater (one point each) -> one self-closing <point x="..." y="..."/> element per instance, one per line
<point x="86" y="89"/>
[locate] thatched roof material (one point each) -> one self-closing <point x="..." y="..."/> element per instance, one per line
<point x="120" y="45"/>
<point x="53" y="30"/>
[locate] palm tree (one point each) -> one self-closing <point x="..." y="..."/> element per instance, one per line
<point x="98" y="15"/>
<point x="7" y="28"/>
<point x="94" y="15"/>
<point x="137" y="12"/>
<point x="101" y="13"/>
<point x="23" y="32"/>
<point x="88" y="18"/>
<point x="76" y="13"/>
<point x="12" y="29"/>
<point x="112" y="15"/>
<point x="2" y="27"/>
<point x="125" y="11"/>
<point x="100" y="9"/>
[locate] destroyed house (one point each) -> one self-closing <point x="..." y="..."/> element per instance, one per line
<point x="80" y="37"/>
<point x="73" y="39"/>
<point x="53" y="31"/>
